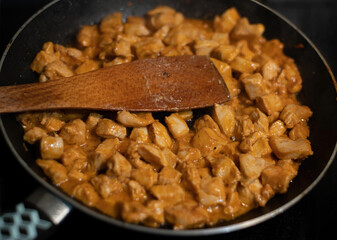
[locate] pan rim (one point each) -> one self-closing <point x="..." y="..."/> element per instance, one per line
<point x="160" y="231"/>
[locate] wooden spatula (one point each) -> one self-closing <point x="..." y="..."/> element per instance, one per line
<point x="160" y="84"/>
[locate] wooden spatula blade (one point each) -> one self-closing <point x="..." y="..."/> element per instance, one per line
<point x="160" y="84"/>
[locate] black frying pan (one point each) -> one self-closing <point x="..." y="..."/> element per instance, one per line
<point x="60" y="22"/>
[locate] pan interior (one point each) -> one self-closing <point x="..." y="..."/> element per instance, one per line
<point x="69" y="16"/>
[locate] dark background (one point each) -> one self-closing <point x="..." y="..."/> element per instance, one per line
<point x="314" y="217"/>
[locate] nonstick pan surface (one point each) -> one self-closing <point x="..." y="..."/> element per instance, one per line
<point x="61" y="21"/>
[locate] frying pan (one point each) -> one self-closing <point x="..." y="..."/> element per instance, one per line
<point x="59" y="22"/>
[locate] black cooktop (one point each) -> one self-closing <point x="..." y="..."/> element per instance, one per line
<point x="314" y="217"/>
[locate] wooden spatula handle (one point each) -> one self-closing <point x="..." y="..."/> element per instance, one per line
<point x="78" y="92"/>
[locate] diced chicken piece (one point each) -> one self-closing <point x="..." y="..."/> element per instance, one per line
<point x="148" y="48"/>
<point x="251" y="167"/>
<point x="74" y="132"/>
<point x="137" y="191"/>
<point x="245" y="126"/>
<point x="164" y="15"/>
<point x="247" y="142"/>
<point x="170" y="193"/>
<point x="41" y="60"/>
<point x="162" y="32"/>
<point x="54" y="170"/>
<point x="292" y="114"/>
<point x="87" y="66"/>
<point x="273" y="48"/>
<point x="44" y="57"/>
<point x="73" y="57"/>
<point x="256" y="192"/>
<point x="224" y="116"/>
<point x="112" y="23"/>
<point x="233" y="205"/>
<point x="93" y="120"/>
<point x="205" y="47"/>
<point x="140" y="135"/>
<point x="155" y="210"/>
<point x="104" y="151"/>
<point x="226" y="22"/>
<point x="226" y="53"/>
<point x="278" y="177"/>
<point x="274" y="117"/>
<point x="147" y="177"/>
<point x="186" y="115"/>
<point x="134" y="119"/>
<point x="177" y="126"/>
<point x="150" y="215"/>
<point x="137" y="29"/>
<point x="243" y="29"/>
<point x="105" y="185"/>
<point x="212" y="191"/>
<point x="52" y="121"/>
<point x="244" y="49"/>
<point x="226" y="169"/>
<point x="191" y="176"/>
<point x="261" y="148"/>
<point x="159" y="135"/>
<point x="303" y="112"/>
<point x="152" y="154"/>
<point x="285" y="148"/>
<point x="107" y="128"/>
<point x="254" y="85"/>
<point x="233" y="85"/>
<point x="269" y="103"/>
<point x="290" y="165"/>
<point x="34" y="134"/>
<point x="29" y="119"/>
<point x="186" y="214"/>
<point x="208" y="141"/>
<point x="130" y="150"/>
<point x="51" y="147"/>
<point x="221" y="38"/>
<point x="134" y="212"/>
<point x="175" y="38"/>
<point x="86" y="193"/>
<point x="119" y="166"/>
<point x="277" y="128"/>
<point x="71" y="154"/>
<point x="57" y="69"/>
<point x="78" y="175"/>
<point x="132" y="39"/>
<point x="116" y="61"/>
<point x="293" y="77"/>
<point x="270" y="70"/>
<point x="171" y="158"/>
<point x="260" y="120"/>
<point x="301" y="130"/>
<point x="189" y="154"/>
<point x="242" y="65"/>
<point x="87" y="36"/>
<point x="206" y="121"/>
<point x="122" y="48"/>
<point x="223" y="68"/>
<point x="257" y="144"/>
<point x="48" y="47"/>
<point x="169" y="175"/>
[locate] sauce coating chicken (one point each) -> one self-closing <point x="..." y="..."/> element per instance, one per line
<point x="176" y="170"/>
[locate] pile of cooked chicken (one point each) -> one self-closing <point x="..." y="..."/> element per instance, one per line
<point x="176" y="171"/>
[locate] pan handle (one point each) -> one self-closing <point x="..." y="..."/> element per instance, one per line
<point x="35" y="218"/>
